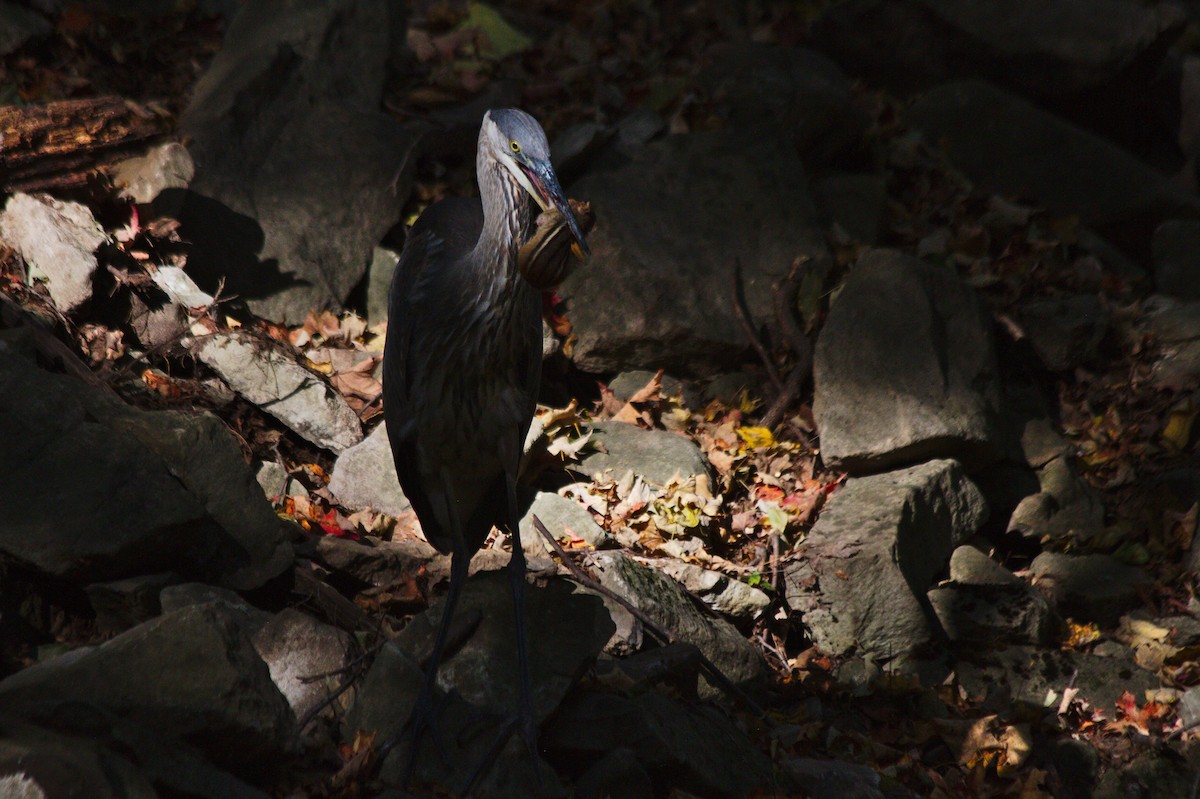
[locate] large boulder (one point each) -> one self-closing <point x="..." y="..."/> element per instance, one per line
<point x="293" y="154"/>
<point x="193" y="675"/>
<point x="863" y="571"/>
<point x="1008" y="146"/>
<point x="105" y="491"/>
<point x="666" y="239"/>
<point x="905" y="369"/>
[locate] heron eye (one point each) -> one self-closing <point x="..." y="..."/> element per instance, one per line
<point x="516" y="148"/>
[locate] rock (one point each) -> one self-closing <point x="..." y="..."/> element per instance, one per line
<point x="1071" y="768"/>
<point x="279" y="385"/>
<point x="156" y="325"/>
<point x="856" y="203"/>
<point x="186" y="595"/>
<point x="186" y="500"/>
<point x="970" y="566"/>
<point x="662" y="599"/>
<point x="1064" y="332"/>
<point x="19" y="25"/>
<point x="378" y="563"/>
<point x="1175" y="251"/>
<point x="379" y="282"/>
<point x="192" y="674"/>
<point x="755" y="86"/>
<point x="289" y="202"/>
<point x="904" y="369"/>
<point x="684" y="747"/>
<point x="1175" y="328"/>
<point x="122" y="604"/>
<point x="720" y="592"/>
<point x="272" y="478"/>
<point x="1150" y="774"/>
<point x="566" y="628"/>
<point x="863" y="571"/>
<point x="165" y="166"/>
<point x="58" y="241"/>
<point x="562" y="517"/>
<point x="1189" y="707"/>
<point x="575" y="147"/>
<point x="991" y="615"/>
<point x="830" y="779"/>
<point x="1041" y="48"/>
<point x="37" y="764"/>
<point x="616" y="773"/>
<point x="657" y="456"/>
<point x="626" y="384"/>
<point x="682" y="183"/>
<point x="1066" y="508"/>
<point x="1095" y="588"/>
<point x="296" y="647"/>
<point x="365" y="476"/>
<point x="1008" y="146"/>
<point x="180" y="288"/>
<point x="1036" y="678"/>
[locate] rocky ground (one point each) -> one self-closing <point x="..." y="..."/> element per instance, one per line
<point x="871" y="416"/>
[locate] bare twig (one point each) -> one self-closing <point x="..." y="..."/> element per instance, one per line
<point x="743" y="315"/>
<point x="714" y="674"/>
<point x="784" y="295"/>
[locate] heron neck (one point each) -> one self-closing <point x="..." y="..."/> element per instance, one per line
<point x="506" y="221"/>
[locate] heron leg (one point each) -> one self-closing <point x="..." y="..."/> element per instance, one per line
<point x="516" y="574"/>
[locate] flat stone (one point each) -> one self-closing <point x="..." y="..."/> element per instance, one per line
<point x="365" y="476"/>
<point x="279" y="385"/>
<point x="296" y="647"/>
<point x="58" y="240"/>
<point x="562" y="517"/>
<point x="186" y="500"/>
<point x="1066" y="508"/>
<point x="862" y="572"/>
<point x="165" y="166"/>
<point x="1065" y="332"/>
<point x="720" y="592"/>
<point x="192" y="674"/>
<point x="1175" y="251"/>
<point x="657" y="456"/>
<point x="904" y="369"/>
<point x="1095" y="588"/>
<point x="669" y="606"/>
<point x="683" y="183"/>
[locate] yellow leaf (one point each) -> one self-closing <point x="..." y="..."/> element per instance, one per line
<point x="321" y="368"/>
<point x="1178" y="431"/>
<point x="755" y="437"/>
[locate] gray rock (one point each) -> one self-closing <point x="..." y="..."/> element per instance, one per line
<point x="1072" y="766"/>
<point x="856" y="203"/>
<point x="626" y="384"/>
<point x="1150" y="774"/>
<point x="1008" y="146"/>
<point x="863" y="571"/>
<point x="904" y="369"/>
<point x="1175" y="251"/>
<point x="1038" y="47"/>
<point x="279" y="385"/>
<point x="1175" y="327"/>
<point x="970" y="566"/>
<point x="365" y="476"/>
<point x="1041" y="443"/>
<point x="688" y="747"/>
<point x="720" y="592"/>
<point x="377" y="563"/>
<point x="38" y="764"/>
<point x="58" y="240"/>
<point x="665" y="229"/>
<point x="156" y="325"/>
<point x="831" y="779"/>
<point x="616" y="773"/>
<point x="1189" y="707"/>
<point x="272" y="478"/>
<point x="1064" y="332"/>
<point x="165" y="166"/>
<point x="656" y="456"/>
<point x="1024" y="675"/>
<point x="562" y="517"/>
<point x="186" y="595"/>
<point x="1095" y="588"/>
<point x="19" y="25"/>
<point x="289" y="201"/>
<point x="177" y="482"/>
<point x="991" y="615"/>
<point x="755" y="86"/>
<point x="296" y="647"/>
<point x="379" y="282"/>
<point x="576" y="146"/>
<point x="1067" y="507"/>
<point x="122" y="604"/>
<point x="669" y="606"/>
<point x="192" y="674"/>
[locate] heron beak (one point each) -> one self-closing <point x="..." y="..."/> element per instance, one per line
<point x="543" y="186"/>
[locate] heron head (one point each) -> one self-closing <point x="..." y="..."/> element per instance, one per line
<point x="515" y="140"/>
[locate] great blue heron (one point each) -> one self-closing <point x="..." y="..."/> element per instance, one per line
<point x="461" y="367"/>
